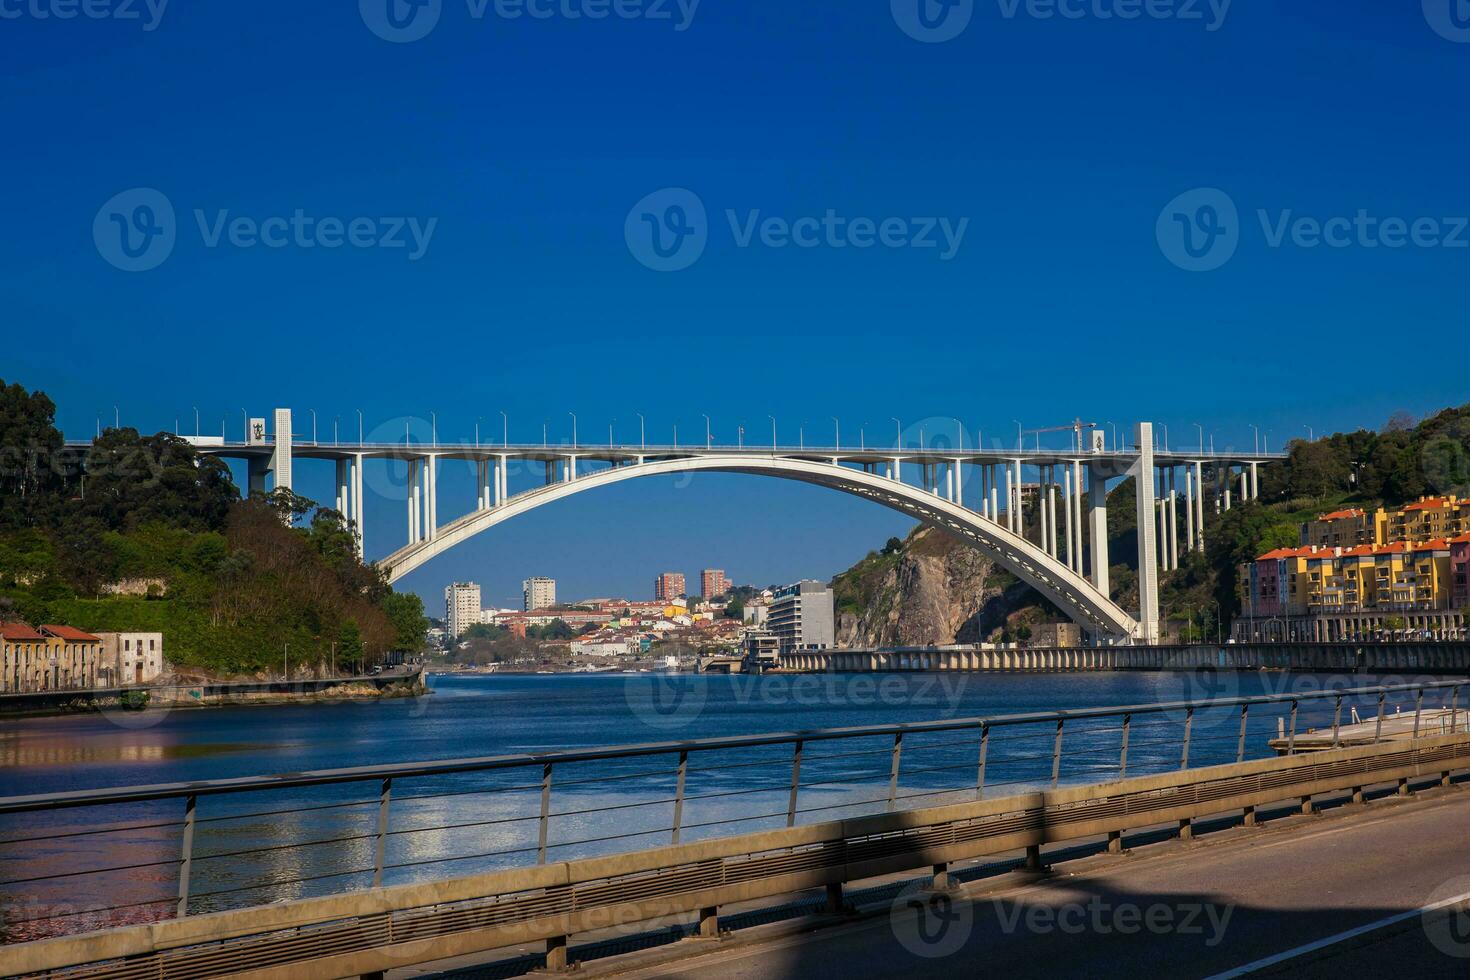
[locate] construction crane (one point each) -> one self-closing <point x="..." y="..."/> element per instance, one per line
<point x="1075" y="427"/>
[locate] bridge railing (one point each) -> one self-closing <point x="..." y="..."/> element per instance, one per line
<point x="79" y="861"/>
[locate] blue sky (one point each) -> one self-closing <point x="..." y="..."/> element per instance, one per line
<point x="1068" y="146"/>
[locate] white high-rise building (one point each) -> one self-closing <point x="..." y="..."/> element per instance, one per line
<point x="539" y="593"/>
<point x="461" y="607"/>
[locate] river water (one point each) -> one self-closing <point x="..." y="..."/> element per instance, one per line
<point x="247" y="851"/>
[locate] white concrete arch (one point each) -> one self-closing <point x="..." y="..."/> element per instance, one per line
<point x="1072" y="593"/>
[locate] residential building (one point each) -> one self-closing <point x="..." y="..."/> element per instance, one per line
<point x="538" y="593"/>
<point x="47" y="658"/>
<point x="712" y="583"/>
<point x="669" y="585"/>
<point x="1426" y="519"/>
<point x="1340" y="529"/>
<point x="461" y="608"/>
<point x="1365" y="591"/>
<point x="130" y="658"/>
<point x="1460" y="572"/>
<point x="605" y="646"/>
<point x="801" y="617"/>
<point x="760" y="649"/>
<point x="755" y="613"/>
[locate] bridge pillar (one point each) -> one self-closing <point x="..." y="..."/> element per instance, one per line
<point x="994" y="482"/>
<point x="1148" y="572"/>
<point x="1199" y="507"/>
<point x="357" y="503"/>
<point x="281" y="453"/>
<point x="502" y="481"/>
<point x="482" y="484"/>
<point x="1097" y="527"/>
<point x="431" y="496"/>
<point x="257" y="469"/>
<point x="340" y="487"/>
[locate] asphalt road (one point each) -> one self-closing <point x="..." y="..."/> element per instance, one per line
<point x="1231" y="900"/>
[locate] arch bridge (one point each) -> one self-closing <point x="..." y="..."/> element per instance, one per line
<point x="1050" y="531"/>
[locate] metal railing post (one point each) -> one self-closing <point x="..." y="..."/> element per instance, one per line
<point x="795" y="784"/>
<point x="1336" y="721"/>
<point x="1418" y="710"/>
<point x="1056" y="755"/>
<point x="541" y="824"/>
<point x="1378" y="725"/>
<point x="186" y="857"/>
<point x="385" y="794"/>
<point x="1123" y="756"/>
<point x="984" y="751"/>
<point x="893" y="773"/>
<point x="1454" y="709"/>
<point x="1240" y="743"/>
<point x="1188" y="731"/>
<point x="1291" y="739"/>
<point x="679" y="795"/>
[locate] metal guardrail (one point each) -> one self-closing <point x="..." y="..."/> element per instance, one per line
<point x="369" y="932"/>
<point x="145" y="853"/>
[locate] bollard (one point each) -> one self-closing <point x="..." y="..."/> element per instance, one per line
<point x="1307" y="806"/>
<point x="1186" y="829"/>
<point x="709" y="923"/>
<point x="1357" y="794"/>
<point x="1033" y="857"/>
<point x="1115" y="842"/>
<point x="941" y="880"/>
<point x="1250" y="816"/>
<point x="1404" y="786"/>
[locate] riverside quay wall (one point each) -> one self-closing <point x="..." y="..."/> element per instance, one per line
<point x="1366" y="658"/>
<point x="205" y="695"/>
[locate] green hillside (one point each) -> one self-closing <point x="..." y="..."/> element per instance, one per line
<point x="230" y="582"/>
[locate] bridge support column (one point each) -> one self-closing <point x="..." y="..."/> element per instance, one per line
<point x="281" y="454"/>
<point x="1097" y="528"/>
<point x="1148" y="573"/>
<point x="1043" y="519"/>
<point x="431" y="497"/>
<point x="1255" y="482"/>
<point x="341" y="487"/>
<point x="358" y="515"/>
<point x="1199" y="507"/>
<point x="1188" y="510"/>
<point x="1067" y="503"/>
<point x="1228" y="477"/>
<point x="501" y="481"/>
<point x="482" y="484"/>
<point x="994" y="482"/>
<point x="959" y="482"/>
<point x="1173" y="523"/>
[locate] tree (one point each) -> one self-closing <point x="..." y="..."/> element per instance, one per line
<point x="406" y="612"/>
<point x="893" y="546"/>
<point x="30" y="456"/>
<point x="349" y="643"/>
<point x="132" y="480"/>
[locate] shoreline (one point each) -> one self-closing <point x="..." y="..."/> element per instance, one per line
<point x="212" y="694"/>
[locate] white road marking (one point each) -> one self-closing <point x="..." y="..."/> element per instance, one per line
<point x="1289" y="954"/>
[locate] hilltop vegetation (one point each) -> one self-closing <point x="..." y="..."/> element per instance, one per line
<point x="229" y="582"/>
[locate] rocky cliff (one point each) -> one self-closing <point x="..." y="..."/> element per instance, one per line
<point x="931" y="588"/>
